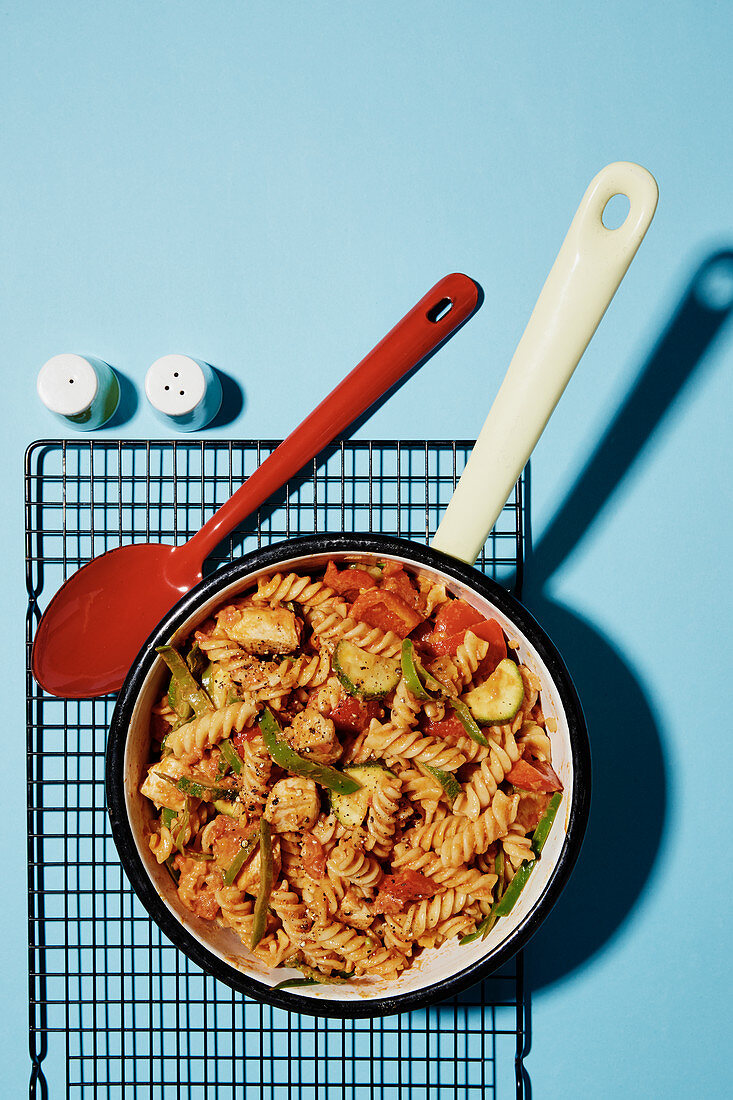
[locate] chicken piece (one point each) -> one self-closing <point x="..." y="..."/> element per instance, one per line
<point x="251" y="673"/>
<point x="354" y="911"/>
<point x="262" y="629"/>
<point x="314" y="736"/>
<point x="159" y="790"/>
<point x="293" y="805"/>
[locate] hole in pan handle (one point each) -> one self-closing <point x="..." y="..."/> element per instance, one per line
<point x="589" y="267"/>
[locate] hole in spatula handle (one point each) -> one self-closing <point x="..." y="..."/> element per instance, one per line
<point x="440" y="310"/>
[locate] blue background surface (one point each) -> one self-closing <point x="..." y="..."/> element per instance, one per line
<point x="269" y="188"/>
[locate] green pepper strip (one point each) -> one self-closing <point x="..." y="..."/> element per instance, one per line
<point x="323" y="979"/>
<point x="186" y="689"/>
<point x="296" y="981"/>
<point x="472" y="936"/>
<point x="196" y="660"/>
<point x="499" y="869"/>
<point x="266" y="879"/>
<point x="428" y="687"/>
<point x="489" y="920"/>
<point x="207" y="677"/>
<point x="437" y="687"/>
<point x="199" y="790"/>
<point x="286" y="758"/>
<point x="544" y="825"/>
<point x="410" y="672"/>
<point x="504" y="905"/>
<point x="168" y="816"/>
<point x="248" y="847"/>
<point x="184" y="819"/>
<point x="337" y="978"/>
<point x="231" y="756"/>
<point x="181" y="706"/>
<point x="468" y="721"/>
<point x="507" y="901"/>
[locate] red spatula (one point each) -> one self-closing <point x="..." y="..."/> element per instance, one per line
<point x="98" y="620"/>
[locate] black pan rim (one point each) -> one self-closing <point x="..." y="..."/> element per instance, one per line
<point x="310" y="546"/>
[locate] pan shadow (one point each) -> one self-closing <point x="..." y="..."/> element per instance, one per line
<point x="620" y="848"/>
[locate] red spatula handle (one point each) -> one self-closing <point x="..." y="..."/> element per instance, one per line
<point x="435" y="317"/>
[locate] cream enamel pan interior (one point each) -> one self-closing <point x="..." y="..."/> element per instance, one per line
<point x="589" y="268"/>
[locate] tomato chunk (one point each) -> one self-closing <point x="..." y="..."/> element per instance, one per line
<point x="313" y="856"/>
<point x="536" y="775"/>
<point x="492" y="633"/>
<point x="398" y="891"/>
<point x="448" y="729"/>
<point x="348" y="582"/>
<point x="240" y="739"/>
<point x="454" y="617"/>
<point x="386" y="611"/>
<point x="421" y="637"/>
<point x="488" y="629"/>
<point x="352" y="715"/>
<point x="396" y="580"/>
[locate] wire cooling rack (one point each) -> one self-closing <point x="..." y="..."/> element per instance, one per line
<point x="115" y="1009"/>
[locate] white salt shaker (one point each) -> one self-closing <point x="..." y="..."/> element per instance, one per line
<point x="185" y="393"/>
<point x="80" y="390"/>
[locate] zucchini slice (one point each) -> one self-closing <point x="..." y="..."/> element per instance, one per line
<point x="447" y="780"/>
<point x="499" y="698"/>
<point x="351" y="809"/>
<point x="230" y="809"/>
<point x="365" y="674"/>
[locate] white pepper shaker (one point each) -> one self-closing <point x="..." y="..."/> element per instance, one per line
<point x="185" y="393"/>
<point x="79" y="389"/>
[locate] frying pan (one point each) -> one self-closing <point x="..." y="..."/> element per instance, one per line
<point x="589" y="267"/>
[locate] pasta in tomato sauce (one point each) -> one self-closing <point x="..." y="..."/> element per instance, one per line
<point x="360" y="755"/>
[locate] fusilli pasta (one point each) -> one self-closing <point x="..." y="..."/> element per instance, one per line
<point x="438" y="824"/>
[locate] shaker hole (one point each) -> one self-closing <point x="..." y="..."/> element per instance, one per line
<point x="616" y="211"/>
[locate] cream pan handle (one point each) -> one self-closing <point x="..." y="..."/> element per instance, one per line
<point x="584" y="278"/>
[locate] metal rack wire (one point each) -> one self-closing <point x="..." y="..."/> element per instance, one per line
<point x="115" y="1009"/>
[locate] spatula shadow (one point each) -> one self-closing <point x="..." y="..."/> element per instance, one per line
<point x="629" y="801"/>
